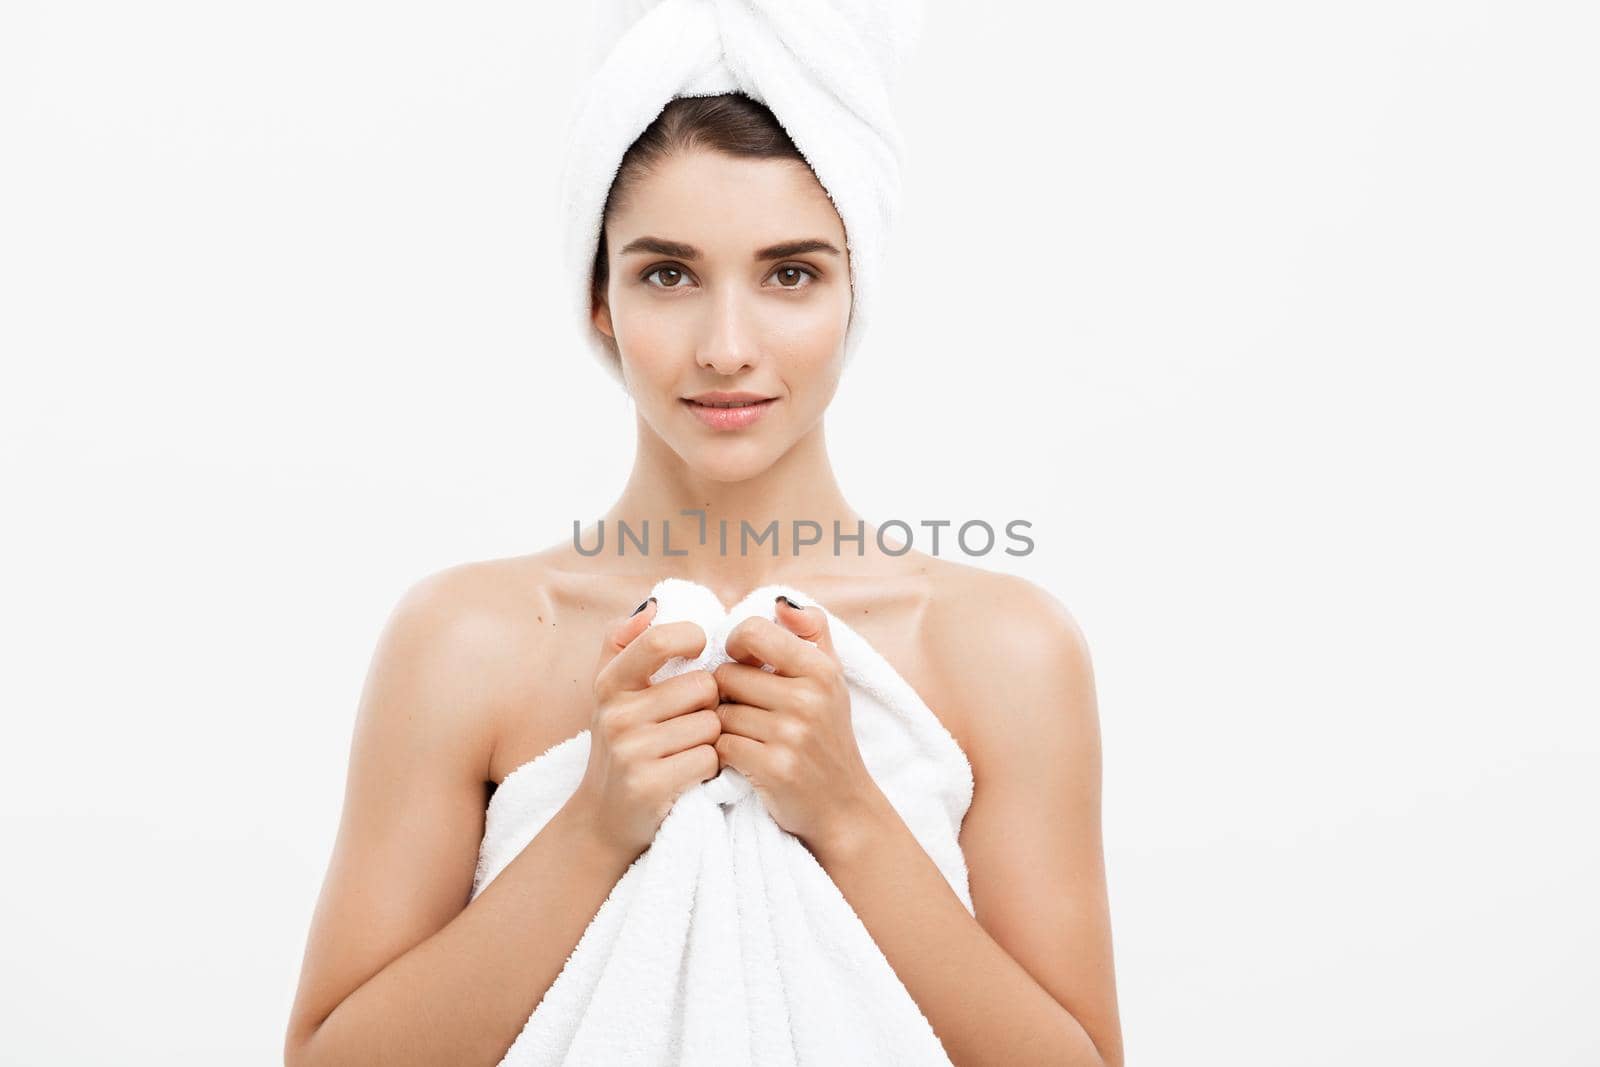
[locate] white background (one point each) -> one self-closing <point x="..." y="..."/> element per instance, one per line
<point x="1277" y="320"/>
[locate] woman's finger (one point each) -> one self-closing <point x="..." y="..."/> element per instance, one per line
<point x="620" y="634"/>
<point x="741" y="683"/>
<point x="684" y="731"/>
<point x="632" y="668"/>
<point x="807" y="622"/>
<point x="675" y="696"/>
<point x="758" y="640"/>
<point x="743" y="755"/>
<point x="753" y="722"/>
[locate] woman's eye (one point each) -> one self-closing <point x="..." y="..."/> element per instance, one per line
<point x="672" y="274"/>
<point x="789" y="277"/>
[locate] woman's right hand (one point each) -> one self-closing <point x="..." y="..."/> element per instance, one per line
<point x="647" y="743"/>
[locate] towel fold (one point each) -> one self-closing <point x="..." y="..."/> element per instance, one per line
<point x="725" y="942"/>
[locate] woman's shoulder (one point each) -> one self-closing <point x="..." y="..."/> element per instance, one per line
<point x="474" y="637"/>
<point x="1002" y="612"/>
<point x="490" y="609"/>
<point x="1007" y="650"/>
<point x="508" y="638"/>
<point x="479" y="609"/>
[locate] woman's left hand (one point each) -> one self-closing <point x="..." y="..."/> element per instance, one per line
<point x="789" y="732"/>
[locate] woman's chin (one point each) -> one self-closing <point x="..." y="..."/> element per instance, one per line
<point x="730" y="461"/>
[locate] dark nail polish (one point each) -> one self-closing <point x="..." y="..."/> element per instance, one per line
<point x="792" y="604"/>
<point x="641" y="607"/>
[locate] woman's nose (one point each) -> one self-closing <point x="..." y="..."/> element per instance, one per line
<point x="729" y="342"/>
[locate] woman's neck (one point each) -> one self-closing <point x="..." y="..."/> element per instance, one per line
<point x="723" y="533"/>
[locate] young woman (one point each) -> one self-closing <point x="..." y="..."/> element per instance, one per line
<point x="721" y="276"/>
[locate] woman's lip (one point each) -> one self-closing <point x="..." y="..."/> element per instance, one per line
<point x="730" y="418"/>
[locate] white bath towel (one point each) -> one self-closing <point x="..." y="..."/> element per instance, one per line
<point x="725" y="942"/>
<point x="824" y="67"/>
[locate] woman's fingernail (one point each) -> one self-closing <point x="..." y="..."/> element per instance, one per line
<point x="641" y="607"/>
<point x="792" y="604"/>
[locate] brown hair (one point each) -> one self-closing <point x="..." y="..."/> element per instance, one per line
<point x="732" y="123"/>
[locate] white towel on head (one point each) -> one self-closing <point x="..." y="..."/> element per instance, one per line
<point x="824" y="67"/>
<point x="725" y="943"/>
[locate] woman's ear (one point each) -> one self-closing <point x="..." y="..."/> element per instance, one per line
<point x="600" y="314"/>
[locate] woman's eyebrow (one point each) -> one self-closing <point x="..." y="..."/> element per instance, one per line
<point x="663" y="247"/>
<point x="795" y="248"/>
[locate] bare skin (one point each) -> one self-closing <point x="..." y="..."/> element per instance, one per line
<point x="484" y="666"/>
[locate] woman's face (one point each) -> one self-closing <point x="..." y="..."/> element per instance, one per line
<point x="704" y="297"/>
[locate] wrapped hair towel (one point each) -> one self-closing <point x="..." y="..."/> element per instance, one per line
<point x="824" y="67"/>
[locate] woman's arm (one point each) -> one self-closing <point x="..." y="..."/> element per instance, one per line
<point x="398" y="969"/>
<point x="1030" y="981"/>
